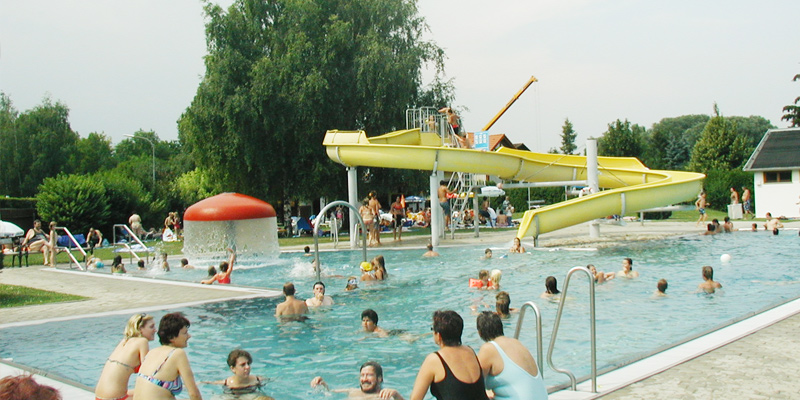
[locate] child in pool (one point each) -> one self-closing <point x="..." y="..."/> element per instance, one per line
<point x="242" y="385"/>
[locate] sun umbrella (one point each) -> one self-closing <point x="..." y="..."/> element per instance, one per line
<point x="7" y="230"/>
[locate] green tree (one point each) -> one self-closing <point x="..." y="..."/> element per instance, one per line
<point x="568" y="136"/>
<point x="94" y="153"/>
<point x="621" y="140"/>
<point x="196" y="185"/>
<point x="10" y="174"/>
<point x="74" y="201"/>
<point x="124" y="196"/>
<point x="668" y="138"/>
<point x="792" y="111"/>
<point x="752" y="128"/>
<point x="48" y="145"/>
<point x="280" y="73"/>
<point x="720" y="147"/>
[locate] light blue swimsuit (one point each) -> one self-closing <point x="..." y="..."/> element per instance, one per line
<point x="514" y="383"/>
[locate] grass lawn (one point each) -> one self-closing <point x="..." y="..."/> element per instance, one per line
<point x="15" y="296"/>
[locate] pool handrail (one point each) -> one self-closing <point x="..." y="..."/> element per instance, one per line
<point x="572" y="380"/>
<point x="127" y="229"/>
<point x="317" y="222"/>
<point x="539" y="353"/>
<point x="69" y="250"/>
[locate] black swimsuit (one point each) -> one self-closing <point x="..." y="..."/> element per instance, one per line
<point x="450" y="388"/>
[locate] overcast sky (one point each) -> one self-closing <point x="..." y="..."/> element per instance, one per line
<point x="121" y="66"/>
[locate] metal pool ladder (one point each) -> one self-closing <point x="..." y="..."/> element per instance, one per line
<point x="538" y="315"/>
<point x="573" y="381"/>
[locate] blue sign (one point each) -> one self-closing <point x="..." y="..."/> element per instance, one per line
<point x="482" y="140"/>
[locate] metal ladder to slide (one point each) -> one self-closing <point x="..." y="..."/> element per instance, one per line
<point x="129" y="233"/>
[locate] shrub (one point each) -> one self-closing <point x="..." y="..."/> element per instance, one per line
<point x="74" y="201"/>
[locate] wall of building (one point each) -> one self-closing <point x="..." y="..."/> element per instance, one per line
<point x="780" y="199"/>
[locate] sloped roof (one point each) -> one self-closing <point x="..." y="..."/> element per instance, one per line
<point x="495" y="141"/>
<point x="779" y="149"/>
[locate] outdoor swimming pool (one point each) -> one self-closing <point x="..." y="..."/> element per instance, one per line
<point x="630" y="322"/>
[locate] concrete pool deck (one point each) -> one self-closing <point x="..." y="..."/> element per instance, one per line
<point x="755" y="366"/>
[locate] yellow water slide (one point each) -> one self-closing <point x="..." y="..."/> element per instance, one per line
<point x="632" y="186"/>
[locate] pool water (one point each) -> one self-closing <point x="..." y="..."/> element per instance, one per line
<point x="631" y="322"/>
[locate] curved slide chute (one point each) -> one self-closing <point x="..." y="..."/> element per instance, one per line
<point x="633" y="186"/>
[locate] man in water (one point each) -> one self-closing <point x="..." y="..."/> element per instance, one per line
<point x="627" y="269"/>
<point x="319" y="299"/>
<point x="369" y="321"/>
<point x="708" y="285"/>
<point x="370" y="384"/>
<point x="291" y="306"/>
<point x="430" y="252"/>
<point x="661" y="288"/>
<point x="772" y="223"/>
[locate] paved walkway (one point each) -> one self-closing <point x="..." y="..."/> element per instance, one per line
<point x="759" y="366"/>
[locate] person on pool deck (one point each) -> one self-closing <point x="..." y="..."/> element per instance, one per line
<point x="37" y="240"/>
<point x="661" y="288"/>
<point x="126" y="358"/>
<point x="430" y="252"/>
<point x="516" y="247"/>
<point x="225" y="270"/>
<point x="93" y="238"/>
<point x="291" y="306"/>
<point x="166" y="370"/>
<point x="746" y="202"/>
<point x="508" y="367"/>
<point x="701" y="205"/>
<point x="453" y="372"/>
<point x="398" y="213"/>
<point x="375" y="230"/>
<point x="319" y="299"/>
<point x="370" y="384"/>
<point x="444" y="202"/>
<point x="600" y="276"/>
<point x="708" y="285"/>
<point x="627" y="269"/>
<point x="242" y="385"/>
<point x="551" y="288"/>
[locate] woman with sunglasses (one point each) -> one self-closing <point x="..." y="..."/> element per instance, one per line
<point x="126" y="359"/>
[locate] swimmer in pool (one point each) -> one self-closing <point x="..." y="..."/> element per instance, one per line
<point x="185" y="264"/>
<point x="291" y="308"/>
<point x="369" y="321"/>
<point x="551" y="288"/>
<point x="352" y="284"/>
<point x="487" y="254"/>
<point x="516" y="247"/>
<point x="242" y="385"/>
<point x="370" y="384"/>
<point x="600" y="276"/>
<point x="502" y="303"/>
<point x="366" y="271"/>
<point x="494" y="279"/>
<point x="661" y="288"/>
<point x="708" y="285"/>
<point x="319" y="299"/>
<point x="627" y="269"/>
<point x="225" y="271"/>
<point x="379" y="267"/>
<point x="430" y="252"/>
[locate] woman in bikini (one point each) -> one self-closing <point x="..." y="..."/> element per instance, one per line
<point x="126" y="358"/>
<point x="242" y="385"/>
<point x="166" y="370"/>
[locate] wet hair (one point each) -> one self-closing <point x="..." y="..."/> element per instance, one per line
<point x="352" y="283"/>
<point x="170" y="326"/>
<point x="288" y="289"/>
<point x="483" y="274"/>
<point x="630" y="262"/>
<point x="24" y="387"/>
<point x="487" y="251"/>
<point x="502" y="302"/>
<point x="212" y="271"/>
<point x="184" y="261"/>
<point x="551" y="284"/>
<point x="381" y="262"/>
<point x="318" y="283"/>
<point x="377" y="367"/>
<point x="710" y="227"/>
<point x="495" y="276"/>
<point x="775" y="231"/>
<point x="307" y="250"/>
<point x="117" y="261"/>
<point x="727" y="219"/>
<point x="708" y="273"/>
<point x="430" y="247"/>
<point x="223" y="266"/>
<point x="490" y="326"/>
<point x="662" y="285"/>
<point x="449" y="325"/>
<point x="140" y="263"/>
<point x="135" y="323"/>
<point x="371" y="314"/>
<point x="234" y="355"/>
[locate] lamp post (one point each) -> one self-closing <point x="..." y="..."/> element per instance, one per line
<point x="154" y="157"/>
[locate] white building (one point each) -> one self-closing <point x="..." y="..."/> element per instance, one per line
<point x="775" y="165"/>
